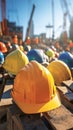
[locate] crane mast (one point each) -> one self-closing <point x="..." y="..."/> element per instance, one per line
<point x="66" y="12"/>
<point x="29" y="23"/>
<point x="53" y="18"/>
<point x="66" y="5"/>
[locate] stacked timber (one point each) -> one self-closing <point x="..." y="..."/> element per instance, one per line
<point x="58" y="119"/>
<point x="66" y="94"/>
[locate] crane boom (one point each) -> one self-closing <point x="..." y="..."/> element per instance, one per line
<point x="29" y="23"/>
<point x="66" y="5"/>
<point x="65" y="13"/>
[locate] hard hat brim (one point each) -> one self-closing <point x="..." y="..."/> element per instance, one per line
<point x="36" y="108"/>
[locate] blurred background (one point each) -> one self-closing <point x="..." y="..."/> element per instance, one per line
<point x="42" y="21"/>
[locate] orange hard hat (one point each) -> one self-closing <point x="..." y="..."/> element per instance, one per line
<point x="15" y="39"/>
<point x="3" y="48"/>
<point x="34" y="90"/>
<point x="28" y="40"/>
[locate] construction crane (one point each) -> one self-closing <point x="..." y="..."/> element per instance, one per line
<point x="66" y="13"/>
<point x="8" y="29"/>
<point x="67" y="9"/>
<point x="4" y="21"/>
<point x="53" y="19"/>
<point x="29" y="23"/>
<point x="52" y="26"/>
<point x="64" y="22"/>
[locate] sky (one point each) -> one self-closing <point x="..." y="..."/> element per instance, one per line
<point x="20" y="10"/>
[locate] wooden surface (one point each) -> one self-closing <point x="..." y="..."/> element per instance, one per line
<point x="60" y="118"/>
<point x="6" y="97"/>
<point x="7" y="84"/>
<point x="66" y="94"/>
<point x="17" y="120"/>
<point x="68" y="84"/>
<point x="5" y="102"/>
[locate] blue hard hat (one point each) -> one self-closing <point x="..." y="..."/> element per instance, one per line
<point x="1" y="57"/>
<point x="38" y="55"/>
<point x="66" y="57"/>
<point x="27" y="48"/>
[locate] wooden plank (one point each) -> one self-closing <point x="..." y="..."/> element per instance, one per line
<point x="5" y="102"/>
<point x="3" y="126"/>
<point x="66" y="92"/>
<point x="2" y="87"/>
<point x="17" y="120"/>
<point x="68" y="84"/>
<point x="71" y="69"/>
<point x="63" y="89"/>
<point x="65" y="97"/>
<point x="3" y="82"/>
<point x="60" y="118"/>
<point x="69" y="97"/>
<point x="6" y="96"/>
<point x="14" y="109"/>
<point x="5" y="93"/>
<point x="11" y="111"/>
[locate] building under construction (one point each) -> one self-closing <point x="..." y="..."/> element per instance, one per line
<point x="14" y="29"/>
<point x="8" y="28"/>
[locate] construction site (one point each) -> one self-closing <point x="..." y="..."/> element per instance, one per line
<point x="36" y="72"/>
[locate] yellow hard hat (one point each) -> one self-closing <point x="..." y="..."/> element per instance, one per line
<point x="14" y="61"/>
<point x="50" y="53"/>
<point x="34" y="90"/>
<point x="60" y="71"/>
<point x="21" y="48"/>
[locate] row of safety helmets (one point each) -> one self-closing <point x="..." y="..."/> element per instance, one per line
<point x="34" y="88"/>
<point x="41" y="56"/>
<point x="6" y="47"/>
